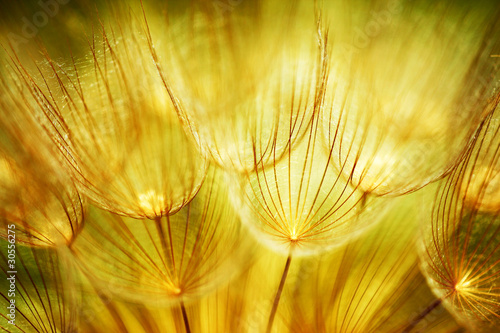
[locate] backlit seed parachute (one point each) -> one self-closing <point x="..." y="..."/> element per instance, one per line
<point x="40" y="200"/>
<point x="461" y="256"/>
<point x="243" y="80"/>
<point x="406" y="93"/>
<point x="45" y="213"/>
<point x="44" y="295"/>
<point x="301" y="204"/>
<point x="169" y="260"/>
<point x="372" y="284"/>
<point x="116" y="127"/>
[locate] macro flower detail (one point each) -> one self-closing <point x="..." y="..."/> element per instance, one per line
<point x="117" y="129"/>
<point x="395" y="124"/>
<point x="460" y="258"/>
<point x="249" y="166"/>
<point x="171" y="260"/>
<point x="241" y="99"/>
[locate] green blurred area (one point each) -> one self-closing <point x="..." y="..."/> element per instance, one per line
<point x="75" y="21"/>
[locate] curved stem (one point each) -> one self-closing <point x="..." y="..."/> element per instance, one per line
<point x="278" y="294"/>
<point x="185" y="317"/>
<point x="421" y="316"/>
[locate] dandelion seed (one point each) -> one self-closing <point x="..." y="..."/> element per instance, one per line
<point x="370" y="285"/>
<point x="401" y="111"/>
<point x="35" y="195"/>
<point x="115" y="126"/>
<point x="170" y="260"/>
<point x="300" y="205"/>
<point x="460" y="255"/>
<point x="315" y="109"/>
<point x="240" y="92"/>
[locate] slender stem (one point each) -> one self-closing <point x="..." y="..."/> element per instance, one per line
<point x="421" y="316"/>
<point x="278" y="294"/>
<point x="185" y="317"/>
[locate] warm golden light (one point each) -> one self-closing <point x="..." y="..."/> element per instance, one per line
<point x="249" y="166"/>
<point x="461" y="254"/>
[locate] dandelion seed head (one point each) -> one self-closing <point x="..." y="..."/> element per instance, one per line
<point x="259" y="89"/>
